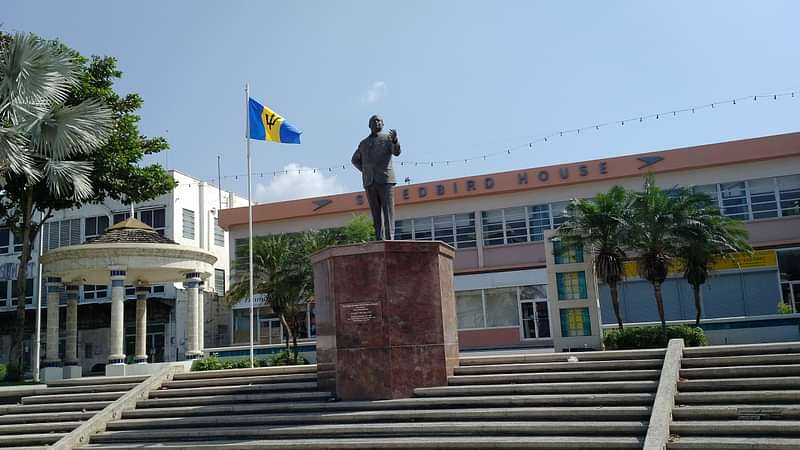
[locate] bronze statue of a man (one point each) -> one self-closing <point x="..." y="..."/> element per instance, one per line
<point x="373" y="158"/>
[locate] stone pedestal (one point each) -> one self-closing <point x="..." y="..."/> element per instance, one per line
<point x="386" y="319"/>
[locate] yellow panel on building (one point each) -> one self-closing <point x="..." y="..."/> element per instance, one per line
<point x="757" y="260"/>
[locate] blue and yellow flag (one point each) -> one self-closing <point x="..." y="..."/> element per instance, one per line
<point x="267" y="125"/>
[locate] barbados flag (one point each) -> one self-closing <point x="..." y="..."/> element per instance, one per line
<point x="267" y="125"/>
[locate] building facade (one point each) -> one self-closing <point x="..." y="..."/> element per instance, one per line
<point x="187" y="215"/>
<point x="497" y="221"/>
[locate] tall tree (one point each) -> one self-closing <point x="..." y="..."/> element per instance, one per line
<point x="602" y="224"/>
<point x="81" y="141"/>
<point x="658" y="230"/>
<point x="282" y="271"/>
<point x="706" y="238"/>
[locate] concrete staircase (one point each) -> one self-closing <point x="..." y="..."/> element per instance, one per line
<point x="44" y="417"/>
<point x="534" y="401"/>
<point x="738" y="397"/>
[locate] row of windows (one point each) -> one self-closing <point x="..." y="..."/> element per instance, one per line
<point x="496" y="307"/>
<point x="8" y="292"/>
<point x="762" y="198"/>
<point x="457" y="230"/>
<point x="62" y="233"/>
<point x="521" y="224"/>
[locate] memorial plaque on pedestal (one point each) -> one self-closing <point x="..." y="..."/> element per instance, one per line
<point x="386" y="320"/>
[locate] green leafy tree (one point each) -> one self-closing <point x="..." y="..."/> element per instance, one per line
<point x="707" y="237"/>
<point x="659" y="229"/>
<point x="282" y="272"/>
<point x="75" y="140"/>
<point x="602" y="224"/>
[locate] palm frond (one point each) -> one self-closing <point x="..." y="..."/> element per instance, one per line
<point x="68" y="179"/>
<point x="71" y="130"/>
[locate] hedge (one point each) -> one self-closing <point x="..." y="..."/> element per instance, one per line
<point x="652" y="337"/>
<point x="3" y="372"/>
<point x="213" y="362"/>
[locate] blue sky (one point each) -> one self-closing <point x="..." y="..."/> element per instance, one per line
<point x="456" y="79"/>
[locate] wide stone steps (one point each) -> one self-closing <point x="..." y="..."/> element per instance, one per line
<point x="235" y="373"/>
<point x="281" y="397"/>
<point x="733" y="443"/>
<point x="449" y="428"/>
<point x="619" y="355"/>
<point x="737" y="412"/>
<point x="738" y="397"/>
<point x="578" y="366"/>
<point x="611" y="375"/>
<point x="371" y="416"/>
<point x="512" y="442"/>
<point x="43" y="418"/>
<point x="744" y="360"/>
<point x="528" y="401"/>
<point x="778" y="370"/>
<point x="241" y="380"/>
<point x="540" y="388"/>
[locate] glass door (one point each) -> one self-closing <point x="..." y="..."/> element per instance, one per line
<point x="269" y="331"/>
<point x="535" y="321"/>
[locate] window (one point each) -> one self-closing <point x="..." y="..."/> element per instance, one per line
<point x="62" y="233"/>
<point x="501" y="307"/>
<point x="5" y="240"/>
<point x="711" y="191"/>
<point x="516" y="225"/>
<point x="119" y="217"/>
<point x="18" y="242"/>
<point x="469" y="309"/>
<point x="423" y="228"/>
<point x="493" y="227"/>
<point x="94" y="226"/>
<point x="789" y="192"/>
<point x="188" y="224"/>
<point x="762" y="198"/>
<point x="571" y="285"/>
<point x="219" y="234"/>
<point x="457" y="230"/>
<point x="567" y="254"/>
<point x="403" y="230"/>
<point x="789" y="269"/>
<point x="559" y="210"/>
<point x="4" y="293"/>
<point x="28" y="292"/>
<point x="157" y="289"/>
<point x="465" y="230"/>
<point x="539" y="219"/>
<point x="533" y="292"/>
<point x="734" y="200"/>
<point x="94" y="292"/>
<point x="443" y="229"/>
<point x="219" y="281"/>
<point x="156" y="218"/>
<point x="575" y="322"/>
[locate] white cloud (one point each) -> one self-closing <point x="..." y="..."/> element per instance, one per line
<point x="297" y="182"/>
<point x="377" y="91"/>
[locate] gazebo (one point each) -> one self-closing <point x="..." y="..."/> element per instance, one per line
<point x="131" y="253"/>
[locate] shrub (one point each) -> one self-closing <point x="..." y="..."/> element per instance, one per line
<point x="212" y="362"/>
<point x="286" y="358"/>
<point x="2" y="372"/>
<point x="784" y="308"/>
<point x="652" y="337"/>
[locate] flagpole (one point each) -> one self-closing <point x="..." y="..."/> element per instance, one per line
<point x="249" y="214"/>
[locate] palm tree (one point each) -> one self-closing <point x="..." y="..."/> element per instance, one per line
<point x="602" y="223"/>
<point x="707" y="237"/>
<point x="43" y="143"/>
<point x="661" y="220"/>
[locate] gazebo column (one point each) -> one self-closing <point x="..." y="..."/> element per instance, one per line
<point x="116" y="357"/>
<point x="72" y="367"/>
<point x="192" y="293"/>
<point x="141" y="324"/>
<point x="201" y="297"/>
<point x="51" y="369"/>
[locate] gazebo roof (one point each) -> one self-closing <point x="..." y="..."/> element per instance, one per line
<point x="131" y="231"/>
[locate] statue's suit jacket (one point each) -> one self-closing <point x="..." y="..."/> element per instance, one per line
<point x="373" y="158"/>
